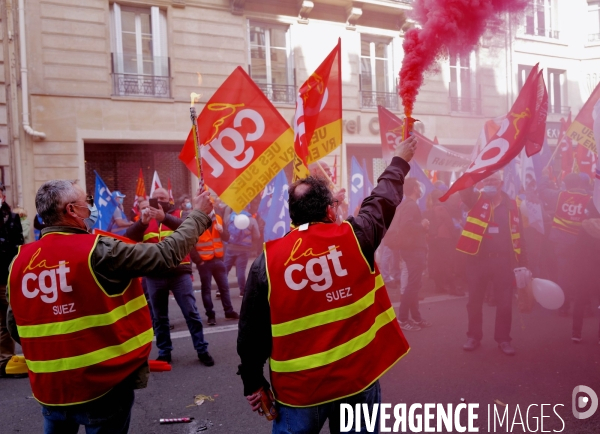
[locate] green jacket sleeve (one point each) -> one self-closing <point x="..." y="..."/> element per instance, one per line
<point x="115" y="263"/>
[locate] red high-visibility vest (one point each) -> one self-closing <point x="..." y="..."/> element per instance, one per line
<point x="78" y="341"/>
<point x="477" y="223"/>
<point x="209" y="244"/>
<point x="156" y="232"/>
<point x="334" y="330"/>
<point x="570" y="211"/>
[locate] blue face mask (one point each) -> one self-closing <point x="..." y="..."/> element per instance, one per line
<point x="489" y="190"/>
<point x="92" y="219"/>
<point x="188" y="205"/>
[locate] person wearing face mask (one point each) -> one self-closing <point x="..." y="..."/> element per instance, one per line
<point x="317" y="307"/>
<point x="118" y="223"/>
<point x="492" y="240"/>
<point x="11" y="237"/>
<point x="79" y="312"/>
<point x="155" y="225"/>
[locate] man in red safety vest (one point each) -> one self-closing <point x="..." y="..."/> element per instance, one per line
<point x="80" y="312"/>
<point x="492" y="240"/>
<point x="317" y="307"/>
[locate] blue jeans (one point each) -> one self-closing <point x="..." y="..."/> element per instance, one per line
<point x="109" y="414"/>
<point x="181" y="287"/>
<point x="310" y="420"/>
<point x="240" y="260"/>
<point x="390" y="264"/>
<point x="416" y="261"/>
<point x="209" y="269"/>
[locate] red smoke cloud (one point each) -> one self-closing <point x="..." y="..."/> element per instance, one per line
<point x="456" y="25"/>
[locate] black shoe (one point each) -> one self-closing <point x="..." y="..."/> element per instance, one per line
<point x="576" y="338"/>
<point x="206" y="359"/>
<point x="471" y="344"/>
<point x="166" y="358"/>
<point x="218" y="294"/>
<point x="506" y="348"/>
<point x="171" y="326"/>
<point x="232" y="315"/>
<point x="212" y="321"/>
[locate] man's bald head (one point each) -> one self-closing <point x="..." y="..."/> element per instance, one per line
<point x="161" y="194"/>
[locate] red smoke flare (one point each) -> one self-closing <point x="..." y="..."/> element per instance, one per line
<point x="455" y="25"/>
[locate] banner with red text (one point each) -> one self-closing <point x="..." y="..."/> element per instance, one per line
<point x="246" y="142"/>
<point x="582" y="128"/>
<point x="429" y="155"/>
<point x="318" y="118"/>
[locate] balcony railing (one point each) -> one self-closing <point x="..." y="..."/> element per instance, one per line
<point x="593" y="37"/>
<point x="369" y="99"/>
<point x="547" y="33"/>
<point x="156" y="84"/>
<point x="281" y="93"/>
<point x="559" y="109"/>
<point x="466" y="105"/>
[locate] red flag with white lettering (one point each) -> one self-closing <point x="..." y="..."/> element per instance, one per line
<point x="246" y="142"/>
<point x="519" y="128"/>
<point x="318" y="119"/>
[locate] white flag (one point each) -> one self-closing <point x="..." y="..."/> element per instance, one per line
<point x="155" y="183"/>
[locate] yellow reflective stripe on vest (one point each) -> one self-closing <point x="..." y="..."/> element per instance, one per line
<point x="515" y="236"/>
<point x="472" y="235"/>
<point x="477" y="222"/>
<point x="93" y="358"/>
<point x="86" y="322"/>
<point x="327" y="317"/>
<point x="150" y="235"/>
<point x="337" y="353"/>
<point x="164" y="234"/>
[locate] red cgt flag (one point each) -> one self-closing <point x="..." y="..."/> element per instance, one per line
<point x="318" y="119"/>
<point x="520" y="128"/>
<point x="246" y="141"/>
<point x="140" y="189"/>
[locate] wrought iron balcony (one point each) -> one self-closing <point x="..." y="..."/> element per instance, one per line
<point x="593" y="37"/>
<point x="547" y="33"/>
<point x="281" y="93"/>
<point x="156" y="85"/>
<point x="466" y="105"/>
<point x="559" y="109"/>
<point x="369" y="99"/>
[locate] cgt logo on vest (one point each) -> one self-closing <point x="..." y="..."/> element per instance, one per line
<point x="317" y="271"/>
<point x="572" y="209"/>
<point x="49" y="281"/>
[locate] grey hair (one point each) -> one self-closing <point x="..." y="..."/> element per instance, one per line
<point x="52" y="197"/>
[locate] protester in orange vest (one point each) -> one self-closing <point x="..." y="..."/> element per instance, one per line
<point x="81" y="316"/>
<point x="492" y="239"/>
<point x="211" y="250"/>
<point x="310" y="294"/>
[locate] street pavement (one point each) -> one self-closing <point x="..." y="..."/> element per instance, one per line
<point x="545" y="370"/>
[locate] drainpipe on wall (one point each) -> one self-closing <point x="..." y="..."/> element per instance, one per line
<point x="24" y="87"/>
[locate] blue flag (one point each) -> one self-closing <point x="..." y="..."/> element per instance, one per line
<point x="265" y="201"/>
<point x="368" y="185"/>
<point x="277" y="223"/>
<point x="358" y="180"/>
<point x="417" y="172"/>
<point x="105" y="203"/>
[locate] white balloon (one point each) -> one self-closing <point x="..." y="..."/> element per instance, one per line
<point x="241" y="221"/>
<point x="548" y="293"/>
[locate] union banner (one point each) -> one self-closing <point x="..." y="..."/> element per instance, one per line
<point x="318" y="119"/>
<point x="245" y="141"/>
<point x="582" y="128"/>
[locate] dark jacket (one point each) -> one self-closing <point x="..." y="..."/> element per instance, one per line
<point x="11" y="237"/>
<point x="411" y="233"/>
<point x="136" y="232"/>
<point x="502" y="242"/>
<point x="370" y="225"/>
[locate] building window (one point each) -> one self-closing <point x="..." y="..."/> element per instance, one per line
<point x="140" y="65"/>
<point x="557" y="91"/>
<point x="270" y="62"/>
<point x="464" y="94"/>
<point x="540" y="19"/>
<point x="523" y="72"/>
<point x="593" y="21"/>
<point x="377" y="84"/>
